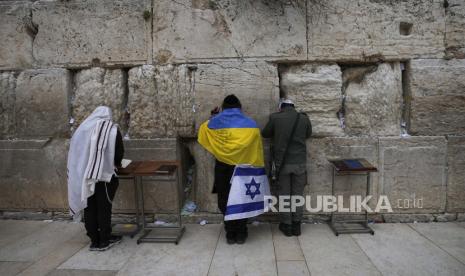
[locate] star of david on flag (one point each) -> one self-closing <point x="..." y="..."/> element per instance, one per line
<point x="249" y="186"/>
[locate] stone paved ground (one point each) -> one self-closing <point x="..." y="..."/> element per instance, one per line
<point x="61" y="248"/>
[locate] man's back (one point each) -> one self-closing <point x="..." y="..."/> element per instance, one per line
<point x="280" y="127"/>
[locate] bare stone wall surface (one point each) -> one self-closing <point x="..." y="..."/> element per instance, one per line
<point x="455" y="29"/>
<point x="99" y="86"/>
<point x="411" y="168"/>
<point x="82" y="32"/>
<point x="16" y="38"/>
<point x="372" y="30"/>
<point x="204" y="29"/>
<point x="35" y="103"/>
<point x="374" y="102"/>
<point x="316" y="90"/>
<point x="437" y="97"/>
<point x="456" y="174"/>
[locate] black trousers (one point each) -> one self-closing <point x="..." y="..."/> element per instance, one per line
<point x="97" y="215"/>
<point x="222" y="186"/>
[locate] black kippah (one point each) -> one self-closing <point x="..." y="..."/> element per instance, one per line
<point x="231" y="101"/>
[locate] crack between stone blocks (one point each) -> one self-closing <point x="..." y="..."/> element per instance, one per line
<point x="151" y="31"/>
<point x="125" y="103"/>
<point x="306" y="28"/>
<point x="366" y="254"/>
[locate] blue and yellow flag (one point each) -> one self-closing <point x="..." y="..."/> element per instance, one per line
<point x="232" y="138"/>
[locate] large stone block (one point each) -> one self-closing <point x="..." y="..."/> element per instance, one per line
<point x="98" y="86"/>
<point x="367" y="29"/>
<point x="455" y="29"/>
<point x="16" y="34"/>
<point x="256" y="84"/>
<point x="171" y="100"/>
<point x="204" y="29"/>
<point x="159" y="196"/>
<point x="315" y="90"/>
<point x="319" y="170"/>
<point x="438" y="97"/>
<point x="33" y="174"/>
<point x="373" y="104"/>
<point x="456" y="174"/>
<point x="38" y="103"/>
<point x="413" y="170"/>
<point x="94" y="31"/>
<point x="160" y="101"/>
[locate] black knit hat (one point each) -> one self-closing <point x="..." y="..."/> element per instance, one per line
<point x="231" y="101"/>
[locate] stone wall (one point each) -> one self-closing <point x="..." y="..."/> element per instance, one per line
<point x="382" y="80"/>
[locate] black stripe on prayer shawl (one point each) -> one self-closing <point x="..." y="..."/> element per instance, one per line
<point x="99" y="149"/>
<point x="104" y="142"/>
<point x="91" y="172"/>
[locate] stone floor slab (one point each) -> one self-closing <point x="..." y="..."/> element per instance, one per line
<point x="12" y="268"/>
<point x="461" y="223"/>
<point x="112" y="259"/>
<point x="327" y="254"/>
<point x="292" y="268"/>
<point x="450" y="237"/>
<point x="13" y="230"/>
<point x="40" y="243"/>
<point x="81" y="272"/>
<point x="192" y="256"/>
<point x="53" y="260"/>
<point x="255" y="257"/>
<point x="286" y="248"/>
<point x="397" y="249"/>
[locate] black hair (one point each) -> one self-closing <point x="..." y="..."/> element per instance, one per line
<point x="283" y="105"/>
<point x="231" y="101"/>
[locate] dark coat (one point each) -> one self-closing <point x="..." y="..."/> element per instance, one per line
<point x="279" y="128"/>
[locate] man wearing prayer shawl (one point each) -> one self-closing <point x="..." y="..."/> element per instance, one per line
<point x="233" y="139"/>
<point x="96" y="150"/>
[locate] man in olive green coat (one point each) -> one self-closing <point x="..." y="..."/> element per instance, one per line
<point x="290" y="157"/>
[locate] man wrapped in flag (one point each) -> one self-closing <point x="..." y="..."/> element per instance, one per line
<point x="234" y="139"/>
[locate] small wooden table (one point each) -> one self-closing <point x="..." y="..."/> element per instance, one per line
<point x="163" y="171"/>
<point x="351" y="167"/>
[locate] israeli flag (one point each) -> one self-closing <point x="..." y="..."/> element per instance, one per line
<point x="249" y="186"/>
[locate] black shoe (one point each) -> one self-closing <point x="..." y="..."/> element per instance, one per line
<point x="93" y="246"/>
<point x="296" y="228"/>
<point x="115" y="239"/>
<point x="241" y="237"/>
<point x="286" y="229"/>
<point x="231" y="237"/>
<point x="107" y="245"/>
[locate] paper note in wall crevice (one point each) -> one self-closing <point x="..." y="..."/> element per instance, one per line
<point x="125" y="163"/>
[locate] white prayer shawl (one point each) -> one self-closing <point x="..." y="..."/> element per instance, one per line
<point x="90" y="158"/>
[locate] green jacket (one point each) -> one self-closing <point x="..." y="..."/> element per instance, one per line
<point x="279" y="127"/>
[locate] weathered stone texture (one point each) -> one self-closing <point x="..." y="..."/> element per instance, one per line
<point x="373" y="104"/>
<point x="159" y="196"/>
<point x="203" y="179"/>
<point x="15" y="37"/>
<point x="78" y="32"/>
<point x="456" y="174"/>
<point x="411" y="168"/>
<point x="170" y="100"/>
<point x="98" y="86"/>
<point x="35" y="103"/>
<point x="367" y="29"/>
<point x="204" y="29"/>
<point x="33" y="174"/>
<point x="160" y="101"/>
<point x="7" y="104"/>
<point x="319" y="170"/>
<point x="315" y="90"/>
<point x="455" y="29"/>
<point x="256" y="84"/>
<point x="438" y="97"/>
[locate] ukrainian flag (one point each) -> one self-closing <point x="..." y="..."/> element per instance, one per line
<point x="232" y="138"/>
